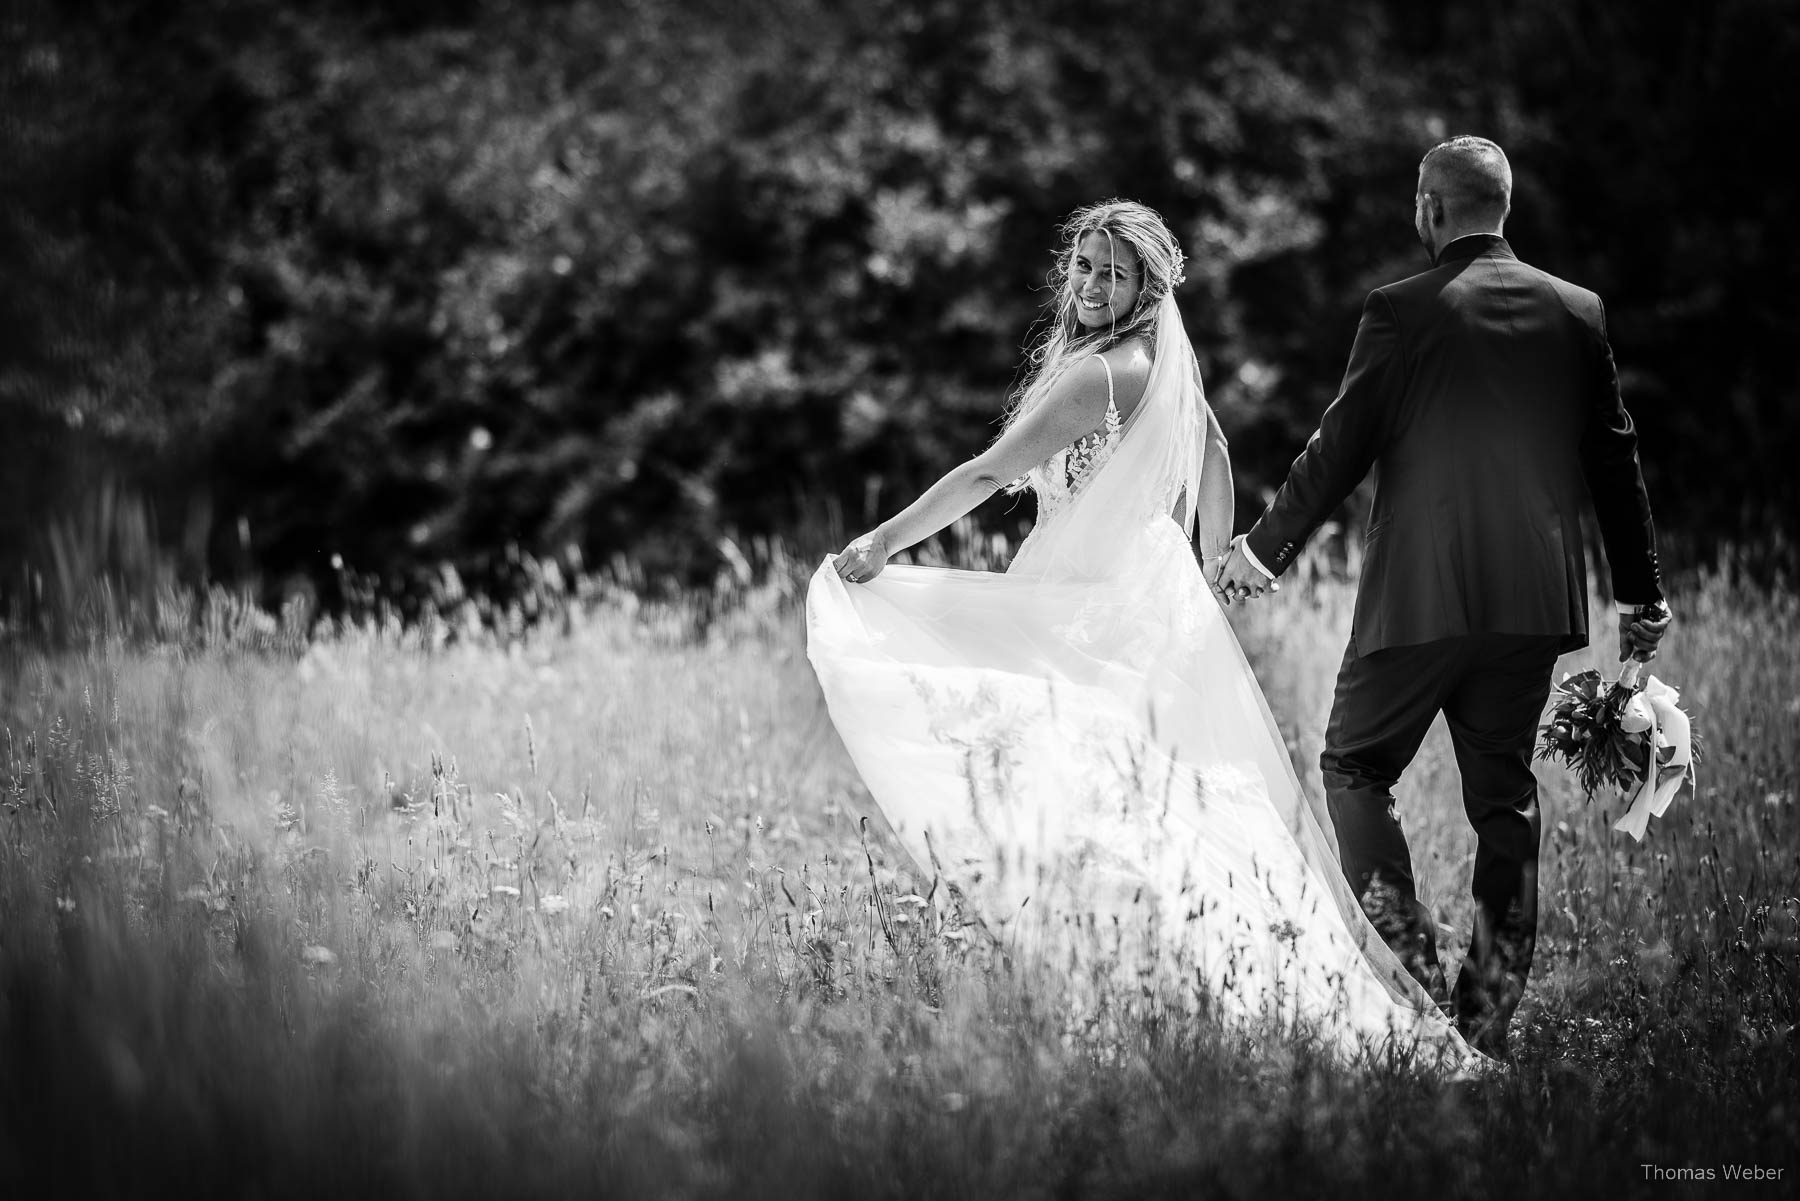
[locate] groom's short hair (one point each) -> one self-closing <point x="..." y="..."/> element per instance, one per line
<point x="1472" y="176"/>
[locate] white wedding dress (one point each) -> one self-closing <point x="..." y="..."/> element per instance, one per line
<point x="1079" y="751"/>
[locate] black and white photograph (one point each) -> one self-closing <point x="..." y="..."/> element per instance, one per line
<point x="899" y="599"/>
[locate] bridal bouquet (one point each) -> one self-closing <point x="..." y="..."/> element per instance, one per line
<point x="1630" y="734"/>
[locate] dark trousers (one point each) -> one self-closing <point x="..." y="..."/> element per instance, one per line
<point x="1491" y="689"/>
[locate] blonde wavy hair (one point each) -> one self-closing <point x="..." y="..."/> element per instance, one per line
<point x="1065" y="342"/>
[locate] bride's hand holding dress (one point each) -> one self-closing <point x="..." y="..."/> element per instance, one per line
<point x="1074" y="407"/>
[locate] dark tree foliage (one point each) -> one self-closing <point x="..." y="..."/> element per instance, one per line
<point x="410" y="283"/>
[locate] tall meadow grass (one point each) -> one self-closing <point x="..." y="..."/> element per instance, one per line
<point x="463" y="908"/>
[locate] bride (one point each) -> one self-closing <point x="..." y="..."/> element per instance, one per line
<point x="1076" y="747"/>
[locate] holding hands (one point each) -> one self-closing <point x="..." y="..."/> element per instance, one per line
<point x="1235" y="577"/>
<point x="863" y="559"/>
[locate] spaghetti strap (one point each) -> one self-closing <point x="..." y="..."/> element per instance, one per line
<point x="1107" y="367"/>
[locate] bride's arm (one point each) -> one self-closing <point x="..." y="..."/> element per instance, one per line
<point x="1213" y="516"/>
<point x="1075" y="407"/>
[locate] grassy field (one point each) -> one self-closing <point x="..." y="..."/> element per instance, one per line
<point x="588" y="909"/>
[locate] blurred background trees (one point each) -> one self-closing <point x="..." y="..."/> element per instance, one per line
<point x="397" y="284"/>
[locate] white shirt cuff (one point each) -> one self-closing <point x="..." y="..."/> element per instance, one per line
<point x="1254" y="561"/>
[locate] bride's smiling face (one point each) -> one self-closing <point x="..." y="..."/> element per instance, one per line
<point x="1105" y="278"/>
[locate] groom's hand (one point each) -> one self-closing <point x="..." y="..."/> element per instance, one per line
<point x="1640" y="631"/>
<point x="1238" y="578"/>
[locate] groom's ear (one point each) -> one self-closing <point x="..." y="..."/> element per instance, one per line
<point x="1434" y="209"/>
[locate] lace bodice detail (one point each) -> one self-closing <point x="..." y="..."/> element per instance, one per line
<point x="1063" y="475"/>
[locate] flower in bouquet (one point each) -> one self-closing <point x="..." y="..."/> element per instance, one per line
<point x="1630" y="734"/>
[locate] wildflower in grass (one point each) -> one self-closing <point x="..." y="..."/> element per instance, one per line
<point x="553" y="904"/>
<point x="1630" y="734"/>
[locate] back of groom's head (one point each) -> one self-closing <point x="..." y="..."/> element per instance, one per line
<point x="1472" y="177"/>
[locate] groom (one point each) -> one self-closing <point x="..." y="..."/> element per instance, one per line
<point x="1484" y="392"/>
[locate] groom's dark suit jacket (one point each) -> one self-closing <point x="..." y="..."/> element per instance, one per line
<point x="1483" y="391"/>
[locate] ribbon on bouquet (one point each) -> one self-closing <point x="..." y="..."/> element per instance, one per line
<point x="1655" y="711"/>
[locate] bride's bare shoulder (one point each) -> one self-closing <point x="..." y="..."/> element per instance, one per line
<point x="1129" y="362"/>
